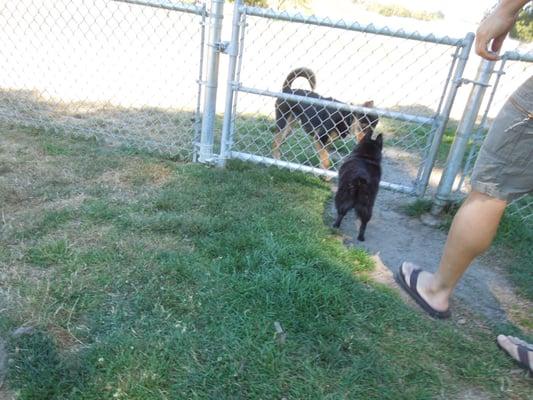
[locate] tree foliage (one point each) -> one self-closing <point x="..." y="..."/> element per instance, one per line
<point x="523" y="28"/>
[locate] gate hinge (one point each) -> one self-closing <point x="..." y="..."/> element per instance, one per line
<point x="222" y="47"/>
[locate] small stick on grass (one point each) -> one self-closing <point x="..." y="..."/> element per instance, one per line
<point x="280" y="334"/>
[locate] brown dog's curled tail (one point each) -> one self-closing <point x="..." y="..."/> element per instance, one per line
<point x="299" y="73"/>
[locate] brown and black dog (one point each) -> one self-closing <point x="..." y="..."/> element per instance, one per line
<point x="323" y="123"/>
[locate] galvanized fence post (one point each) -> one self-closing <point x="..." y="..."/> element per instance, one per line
<point x="462" y="135"/>
<point x="197" y="115"/>
<point x="437" y="137"/>
<point x="233" y="51"/>
<point x="216" y="13"/>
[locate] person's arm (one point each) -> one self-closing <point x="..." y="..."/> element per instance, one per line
<point x="496" y="27"/>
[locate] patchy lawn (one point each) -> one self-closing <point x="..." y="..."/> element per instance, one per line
<point x="146" y="279"/>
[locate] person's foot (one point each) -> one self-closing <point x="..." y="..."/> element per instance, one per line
<point x="518" y="349"/>
<point x="434" y="302"/>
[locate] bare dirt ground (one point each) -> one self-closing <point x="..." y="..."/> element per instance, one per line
<point x="483" y="293"/>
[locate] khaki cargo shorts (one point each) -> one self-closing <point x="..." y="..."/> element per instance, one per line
<point x="504" y="167"/>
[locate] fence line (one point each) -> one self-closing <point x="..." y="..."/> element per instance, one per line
<point x="135" y="72"/>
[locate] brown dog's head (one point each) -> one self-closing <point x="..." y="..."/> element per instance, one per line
<point x="366" y="121"/>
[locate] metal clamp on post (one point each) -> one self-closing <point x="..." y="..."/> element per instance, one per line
<point x="474" y="82"/>
<point x="222" y="47"/>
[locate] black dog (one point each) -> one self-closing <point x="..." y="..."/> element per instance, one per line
<point x="359" y="178"/>
<point x="324" y="124"/>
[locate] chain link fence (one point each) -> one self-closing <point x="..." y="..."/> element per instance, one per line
<point x="131" y="72"/>
<point x="124" y="71"/>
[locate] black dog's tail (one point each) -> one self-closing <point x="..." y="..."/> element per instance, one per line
<point x="299" y="73"/>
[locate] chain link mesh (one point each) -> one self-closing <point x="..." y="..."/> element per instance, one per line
<point x="125" y="73"/>
<point x="402" y="76"/>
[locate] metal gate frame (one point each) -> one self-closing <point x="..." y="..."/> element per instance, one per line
<point x="437" y="122"/>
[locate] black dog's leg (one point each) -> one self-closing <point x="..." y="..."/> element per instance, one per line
<point x="364" y="216"/>
<point x="340" y="216"/>
<point x="343" y="204"/>
<point x="362" y="229"/>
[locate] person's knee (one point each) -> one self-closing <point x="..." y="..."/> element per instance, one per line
<point x="485" y="201"/>
<point x="476" y="222"/>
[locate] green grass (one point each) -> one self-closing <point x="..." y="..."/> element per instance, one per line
<point x="49" y="253"/>
<point x="53" y="149"/>
<point x="169" y="289"/>
<point x="516" y="237"/>
<point x="417" y="207"/>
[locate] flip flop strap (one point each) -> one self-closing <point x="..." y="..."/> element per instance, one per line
<point x="413" y="279"/>
<point x="523" y="355"/>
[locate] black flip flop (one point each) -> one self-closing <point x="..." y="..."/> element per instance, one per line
<point x="410" y="289"/>
<point x="523" y="358"/>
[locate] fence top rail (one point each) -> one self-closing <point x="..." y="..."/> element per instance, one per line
<point x="340" y="106"/>
<point x="169" y="5"/>
<point x="518" y="56"/>
<point x="354" y="26"/>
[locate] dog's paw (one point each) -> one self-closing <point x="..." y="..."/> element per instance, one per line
<point x="361" y="238"/>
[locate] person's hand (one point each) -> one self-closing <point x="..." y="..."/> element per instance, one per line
<point x="493" y="31"/>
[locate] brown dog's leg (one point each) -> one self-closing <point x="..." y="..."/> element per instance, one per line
<point x="359" y="135"/>
<point x="323" y="154"/>
<point x="280" y="137"/>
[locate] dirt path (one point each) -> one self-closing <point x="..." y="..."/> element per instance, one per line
<point x="392" y="237"/>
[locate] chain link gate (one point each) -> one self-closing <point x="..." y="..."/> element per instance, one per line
<point x="502" y="79"/>
<point x="352" y="62"/>
<point x="126" y="71"/>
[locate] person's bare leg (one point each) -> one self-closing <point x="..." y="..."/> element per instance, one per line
<point x="472" y="231"/>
